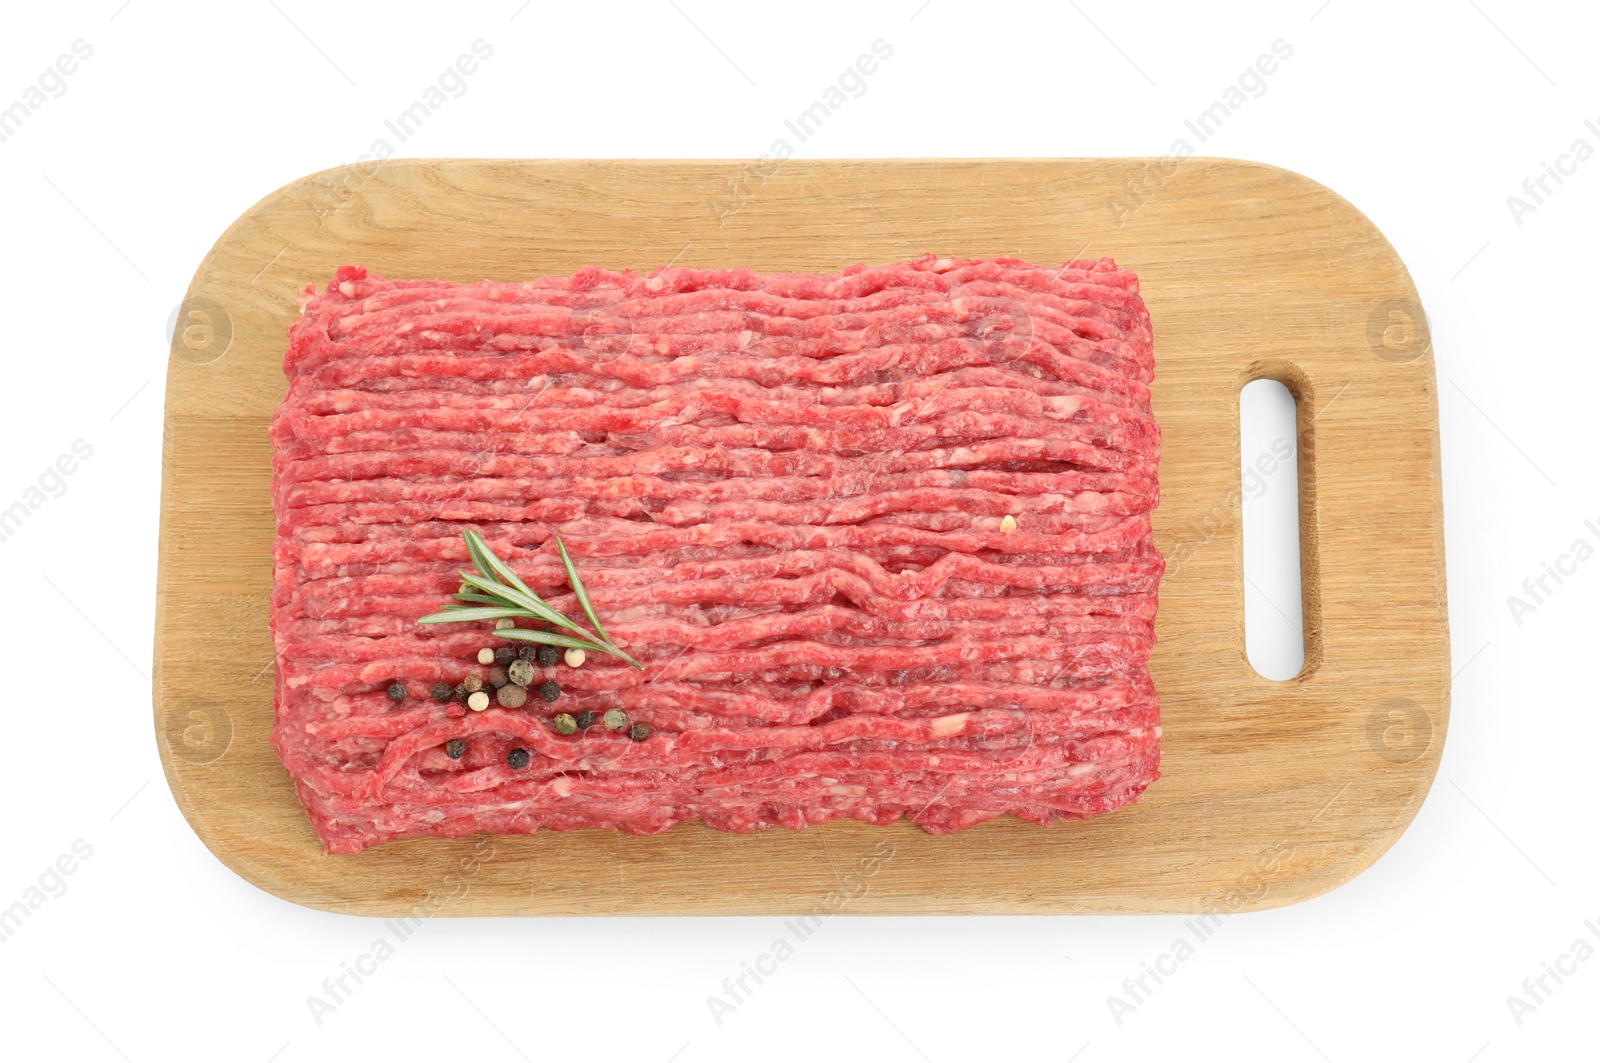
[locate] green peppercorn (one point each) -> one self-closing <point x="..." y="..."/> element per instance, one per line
<point x="498" y="677"/>
<point x="443" y="692"/>
<point x="527" y="653"/>
<point x="397" y="691"/>
<point x="549" y="690"/>
<point x="473" y="683"/>
<point x="548" y="656"/>
<point x="639" y="732"/>
<point x="454" y="748"/>
<point x="504" y="655"/>
<point x="520" y="672"/>
<point x="615" y="719"/>
<point x="564" y="723"/>
<point x="585" y="720"/>
<point x="512" y="696"/>
<point x="517" y="758"/>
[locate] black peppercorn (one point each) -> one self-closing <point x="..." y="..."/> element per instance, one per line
<point x="504" y="655"/>
<point x="639" y="732"/>
<point x="498" y="677"/>
<point x="443" y="692"/>
<point x="454" y="748"/>
<point x="549" y="690"/>
<point x="585" y="720"/>
<point x="461" y="692"/>
<point x="517" y="758"/>
<point x="397" y="691"/>
<point x="527" y="653"/>
<point x="548" y="656"/>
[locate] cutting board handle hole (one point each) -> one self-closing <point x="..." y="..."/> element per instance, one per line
<point x="1269" y="487"/>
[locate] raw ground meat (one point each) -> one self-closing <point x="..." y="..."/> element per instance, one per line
<point x="881" y="539"/>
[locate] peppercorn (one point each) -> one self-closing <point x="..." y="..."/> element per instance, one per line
<point x="455" y="708"/>
<point x="574" y="658"/>
<point x="549" y="690"/>
<point x="504" y="655"/>
<point x="478" y="700"/>
<point x="512" y="696"/>
<point x="454" y="748"/>
<point x="615" y="719"/>
<point x="548" y="656"/>
<point x="486" y="656"/>
<point x="473" y="683"/>
<point x="517" y="758"/>
<point x="397" y="691"/>
<point x="565" y="724"/>
<point x="520" y="672"/>
<point x="527" y="653"/>
<point x="498" y="677"/>
<point x="639" y="732"/>
<point x="461" y="693"/>
<point x="503" y="623"/>
<point x="585" y="720"/>
<point x="443" y="692"/>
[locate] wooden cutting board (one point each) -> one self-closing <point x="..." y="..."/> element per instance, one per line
<point x="1271" y="792"/>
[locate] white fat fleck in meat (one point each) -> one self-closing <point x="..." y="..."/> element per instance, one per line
<point x="1091" y="501"/>
<point x="562" y="786"/>
<point x="347" y="289"/>
<point x="945" y="726"/>
<point x="898" y="412"/>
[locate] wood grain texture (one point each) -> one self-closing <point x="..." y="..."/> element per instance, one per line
<point x="1271" y="792"/>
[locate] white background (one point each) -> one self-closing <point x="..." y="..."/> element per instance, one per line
<point x="1426" y="116"/>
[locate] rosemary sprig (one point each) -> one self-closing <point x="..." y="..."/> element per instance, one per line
<point x="497" y="593"/>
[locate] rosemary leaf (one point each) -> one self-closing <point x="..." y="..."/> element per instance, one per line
<point x="461" y="614"/>
<point x="490" y="565"/>
<point x="582" y="595"/>
<point x="551" y="638"/>
<point x="577" y="589"/>
<point x="476" y="549"/>
<point x="481" y="599"/>
<point x="615" y="651"/>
